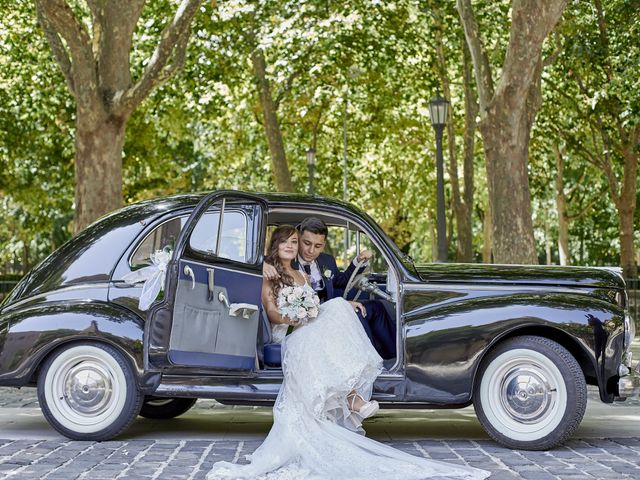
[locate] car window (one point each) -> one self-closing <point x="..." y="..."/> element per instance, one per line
<point x="346" y="247"/>
<point x="233" y="238"/>
<point x="163" y="236"/>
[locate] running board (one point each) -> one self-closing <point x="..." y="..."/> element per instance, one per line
<point x="255" y="391"/>
<point x="249" y="391"/>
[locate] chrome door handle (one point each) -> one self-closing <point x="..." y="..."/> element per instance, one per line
<point x="189" y="272"/>
<point x="223" y="299"/>
<point x="210" y="284"/>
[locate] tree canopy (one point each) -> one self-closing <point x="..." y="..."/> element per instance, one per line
<point x="371" y="66"/>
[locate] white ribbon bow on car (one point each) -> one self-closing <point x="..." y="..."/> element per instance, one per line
<point x="153" y="277"/>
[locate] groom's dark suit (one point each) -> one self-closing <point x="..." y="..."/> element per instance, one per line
<point x="380" y="329"/>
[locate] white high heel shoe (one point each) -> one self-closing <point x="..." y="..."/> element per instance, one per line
<point x="366" y="410"/>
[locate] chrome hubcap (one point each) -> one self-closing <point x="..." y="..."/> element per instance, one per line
<point x="88" y="388"/>
<point x="526" y="394"/>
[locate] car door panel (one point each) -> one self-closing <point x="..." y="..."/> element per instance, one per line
<point x="208" y="322"/>
<point x="205" y="333"/>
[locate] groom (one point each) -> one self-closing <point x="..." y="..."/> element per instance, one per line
<point x="329" y="282"/>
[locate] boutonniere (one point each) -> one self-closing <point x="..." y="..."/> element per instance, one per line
<point x="328" y="273"/>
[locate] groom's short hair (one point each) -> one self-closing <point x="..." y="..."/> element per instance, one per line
<point x="313" y="225"/>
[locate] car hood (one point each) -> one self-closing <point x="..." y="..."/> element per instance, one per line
<point x="521" y="275"/>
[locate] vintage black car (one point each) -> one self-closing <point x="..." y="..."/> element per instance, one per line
<point x="519" y="342"/>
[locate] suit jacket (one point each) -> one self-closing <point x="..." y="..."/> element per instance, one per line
<point x="335" y="281"/>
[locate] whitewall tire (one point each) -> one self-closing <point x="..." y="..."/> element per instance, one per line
<point x="88" y="391"/>
<point x="530" y="394"/>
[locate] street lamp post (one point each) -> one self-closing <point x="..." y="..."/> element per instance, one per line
<point x="438" y="109"/>
<point x="311" y="165"/>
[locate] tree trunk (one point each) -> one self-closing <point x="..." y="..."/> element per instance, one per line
<point x="99" y="144"/>
<point x="487" y="228"/>
<point x="465" y="231"/>
<point x="507" y="115"/>
<point x="505" y="132"/>
<point x="25" y="256"/>
<point x="461" y="202"/>
<point x="547" y="244"/>
<point x="272" y="130"/>
<point x="620" y="144"/>
<point x="561" y="207"/>
<point x="627" y="254"/>
<point x="92" y="47"/>
<point x="627" y="205"/>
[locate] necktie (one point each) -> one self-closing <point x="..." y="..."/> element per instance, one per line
<point x="315" y="284"/>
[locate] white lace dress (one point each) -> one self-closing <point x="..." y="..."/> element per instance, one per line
<point x="314" y="435"/>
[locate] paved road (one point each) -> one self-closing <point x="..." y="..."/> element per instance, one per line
<point x="607" y="445"/>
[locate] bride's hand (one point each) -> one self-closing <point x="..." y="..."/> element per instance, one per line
<point x="289" y="321"/>
<point x="358" y="306"/>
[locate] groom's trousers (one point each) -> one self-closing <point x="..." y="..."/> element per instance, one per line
<point x="380" y="328"/>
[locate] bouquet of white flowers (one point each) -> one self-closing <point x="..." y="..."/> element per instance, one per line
<point x="300" y="304"/>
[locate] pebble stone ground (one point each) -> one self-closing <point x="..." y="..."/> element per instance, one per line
<point x="138" y="459"/>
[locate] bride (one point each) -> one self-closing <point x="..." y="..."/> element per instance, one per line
<point x="329" y="367"/>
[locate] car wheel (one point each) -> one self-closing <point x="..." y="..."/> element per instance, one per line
<point x="531" y="393"/>
<point x="165" y="408"/>
<point x="89" y="391"/>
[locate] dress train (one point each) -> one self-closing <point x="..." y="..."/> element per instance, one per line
<point x="314" y="435"/>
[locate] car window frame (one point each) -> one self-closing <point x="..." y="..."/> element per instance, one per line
<point x="216" y="254"/>
<point x="254" y="227"/>
<point x="134" y="248"/>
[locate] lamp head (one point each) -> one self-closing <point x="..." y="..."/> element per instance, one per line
<point x="438" y="110"/>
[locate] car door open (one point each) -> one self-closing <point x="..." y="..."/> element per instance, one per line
<point x="215" y="303"/>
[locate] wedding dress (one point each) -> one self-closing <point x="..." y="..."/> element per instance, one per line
<point x="314" y="435"/>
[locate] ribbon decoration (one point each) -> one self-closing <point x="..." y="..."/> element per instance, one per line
<point x="153" y="277"/>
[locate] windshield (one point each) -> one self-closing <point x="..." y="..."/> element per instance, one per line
<point x="386" y="239"/>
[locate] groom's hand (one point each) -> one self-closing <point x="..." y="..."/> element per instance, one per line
<point x="269" y="271"/>
<point x="358" y="306"/>
<point x="365" y="256"/>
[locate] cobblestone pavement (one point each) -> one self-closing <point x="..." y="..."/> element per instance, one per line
<point x="589" y="458"/>
<point x="614" y="458"/>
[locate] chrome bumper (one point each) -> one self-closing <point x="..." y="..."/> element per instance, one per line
<point x="629" y="384"/>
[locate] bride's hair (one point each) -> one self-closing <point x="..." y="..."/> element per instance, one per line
<point x="279" y="236"/>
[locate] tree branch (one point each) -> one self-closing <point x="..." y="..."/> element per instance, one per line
<point x="582" y="212"/>
<point x="286" y="88"/>
<point x="59" y="51"/>
<point x="484" y="80"/>
<point x="531" y="23"/>
<point x="166" y="60"/>
<point x="58" y="20"/>
<point x="316" y="124"/>
<point x="604" y="38"/>
<point x="550" y="60"/>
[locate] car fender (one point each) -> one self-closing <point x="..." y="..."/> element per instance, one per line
<point x="445" y="344"/>
<point x="33" y="333"/>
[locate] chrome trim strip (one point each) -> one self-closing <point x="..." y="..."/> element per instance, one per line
<point x="216" y="267"/>
<point x="464" y="286"/>
<point x="70" y="288"/>
<point x="276" y="375"/>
